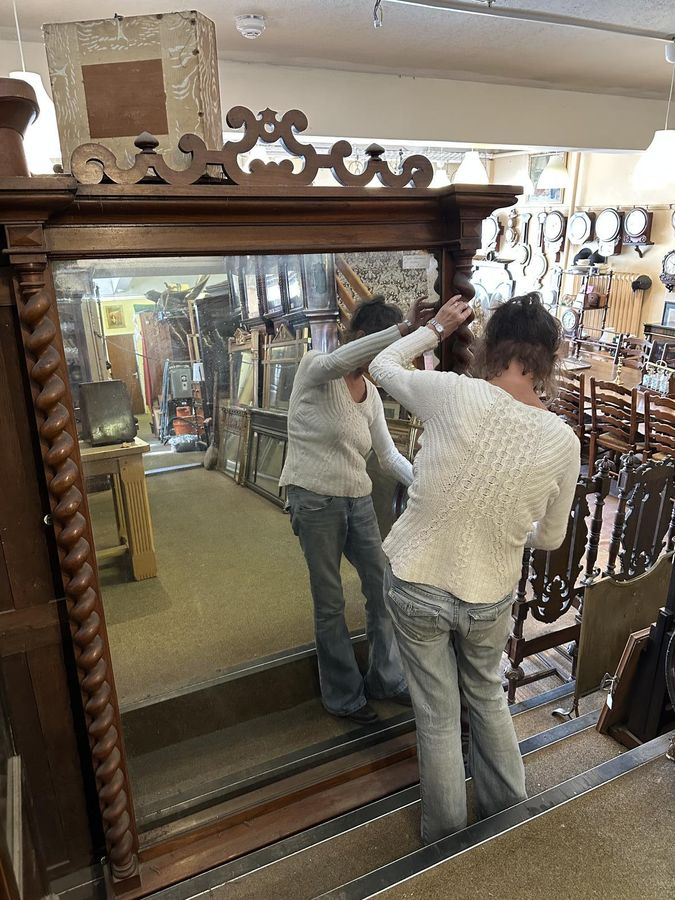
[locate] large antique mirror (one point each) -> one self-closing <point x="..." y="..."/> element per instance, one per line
<point x="210" y="622"/>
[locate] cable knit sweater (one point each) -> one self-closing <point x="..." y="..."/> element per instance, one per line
<point x="329" y="433"/>
<point x="491" y="474"/>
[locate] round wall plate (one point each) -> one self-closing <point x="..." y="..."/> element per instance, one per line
<point x="636" y="222"/>
<point x="579" y="228"/>
<point x="608" y="225"/>
<point x="554" y="227"/>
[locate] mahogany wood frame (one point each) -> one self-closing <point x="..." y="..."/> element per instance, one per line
<point x="53" y="218"/>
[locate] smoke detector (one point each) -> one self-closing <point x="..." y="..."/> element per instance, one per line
<point x="250" y="26"/>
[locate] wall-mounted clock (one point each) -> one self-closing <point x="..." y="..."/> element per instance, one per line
<point x="522" y="251"/>
<point x="667" y="275"/>
<point x="672" y="220"/>
<point x="490" y="233"/>
<point x="608" y="231"/>
<point x="511" y="233"/>
<point x="637" y="226"/>
<point x="554" y="231"/>
<point x="537" y="267"/>
<point x="579" y="228"/>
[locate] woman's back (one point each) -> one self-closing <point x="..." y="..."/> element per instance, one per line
<point x="489" y="468"/>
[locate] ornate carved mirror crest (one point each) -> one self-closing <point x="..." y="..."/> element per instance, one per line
<point x="92" y="163"/>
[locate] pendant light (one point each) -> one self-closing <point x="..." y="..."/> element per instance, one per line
<point x="41" y="144"/>
<point x="440" y="179"/>
<point x="471" y="170"/>
<point x="555" y="175"/>
<point x="656" y="166"/>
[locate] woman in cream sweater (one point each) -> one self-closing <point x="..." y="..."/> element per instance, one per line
<point x="335" y="419"/>
<point x="495" y="470"/>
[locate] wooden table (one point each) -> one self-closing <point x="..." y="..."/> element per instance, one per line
<point x="124" y="462"/>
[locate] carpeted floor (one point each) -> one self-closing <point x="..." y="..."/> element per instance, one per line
<point x="614" y="843"/>
<point x="232" y="585"/>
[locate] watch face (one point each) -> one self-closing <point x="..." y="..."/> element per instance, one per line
<point x="608" y="225"/>
<point x="579" y="228"/>
<point x="669" y="263"/>
<point x="636" y="222"/>
<point x="568" y="320"/>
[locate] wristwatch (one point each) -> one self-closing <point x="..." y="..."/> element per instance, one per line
<point x="408" y="324"/>
<point x="438" y="328"/>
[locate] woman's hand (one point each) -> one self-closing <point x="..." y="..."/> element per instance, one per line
<point x="452" y="314"/>
<point x="419" y="314"/>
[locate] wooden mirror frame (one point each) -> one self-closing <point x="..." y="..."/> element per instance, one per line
<point x="150" y="210"/>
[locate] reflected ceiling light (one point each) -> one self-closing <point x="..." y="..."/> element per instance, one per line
<point x="41" y="143"/>
<point x="555" y="175"/>
<point x="471" y="170"/>
<point x="656" y="166"/>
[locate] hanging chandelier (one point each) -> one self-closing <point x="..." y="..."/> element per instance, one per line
<point x="656" y="167"/>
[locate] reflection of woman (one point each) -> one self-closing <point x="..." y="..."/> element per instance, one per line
<point x="335" y="418"/>
<point x="493" y="462"/>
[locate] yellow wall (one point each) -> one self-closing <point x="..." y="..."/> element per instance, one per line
<point x="605" y="179"/>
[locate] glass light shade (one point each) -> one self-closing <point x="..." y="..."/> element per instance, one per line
<point x="555" y="175"/>
<point x="41" y="143"/>
<point x="656" y="166"/>
<point x="528" y="186"/>
<point x="471" y="170"/>
<point x="440" y="179"/>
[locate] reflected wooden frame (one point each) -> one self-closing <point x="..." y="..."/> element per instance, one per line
<point x="234" y="421"/>
<point x="270" y="211"/>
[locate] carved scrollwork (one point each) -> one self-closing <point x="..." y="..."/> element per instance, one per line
<point x="92" y="163"/>
<point x="555" y="573"/>
<point x="649" y="509"/>
<point x="59" y="451"/>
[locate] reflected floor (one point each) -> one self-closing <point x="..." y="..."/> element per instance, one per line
<point x="231" y="586"/>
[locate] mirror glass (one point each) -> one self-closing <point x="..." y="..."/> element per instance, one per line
<point x="190" y="364"/>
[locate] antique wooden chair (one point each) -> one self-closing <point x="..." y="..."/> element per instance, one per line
<point x="659" y="426"/>
<point x="614" y="420"/>
<point x="633" y="352"/>
<point x="556" y="582"/>
<point x="569" y="403"/>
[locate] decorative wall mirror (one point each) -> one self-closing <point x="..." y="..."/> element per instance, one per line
<point x="281" y="356"/>
<point x="244" y="356"/>
<point x="580" y="228"/>
<point x="214" y="693"/>
<point x="608" y="231"/>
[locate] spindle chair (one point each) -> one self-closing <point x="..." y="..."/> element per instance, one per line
<point x="614" y="420"/>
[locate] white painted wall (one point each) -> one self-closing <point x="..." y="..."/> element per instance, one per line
<point x="389" y="107"/>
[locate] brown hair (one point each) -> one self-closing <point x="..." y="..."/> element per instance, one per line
<point x="374" y="315"/>
<point x="521" y="329"/>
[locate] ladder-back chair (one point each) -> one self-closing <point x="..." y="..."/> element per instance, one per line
<point x="659" y="426"/>
<point x="569" y="403"/>
<point x="634" y="352"/>
<point x="614" y="420"/>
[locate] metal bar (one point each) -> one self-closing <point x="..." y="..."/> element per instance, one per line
<point x="429" y="857"/>
<point x="539" y="18"/>
<point x="312" y="837"/>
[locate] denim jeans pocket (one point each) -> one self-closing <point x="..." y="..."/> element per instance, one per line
<point x="416" y="618"/>
<point x="306" y="501"/>
<point x="483" y="617"/>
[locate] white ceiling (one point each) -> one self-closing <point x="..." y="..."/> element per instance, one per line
<point x="338" y="34"/>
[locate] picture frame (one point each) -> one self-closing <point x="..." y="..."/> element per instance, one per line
<point x="115" y="317"/>
<point x="668" y="317"/>
<point x="319" y="280"/>
<point x="536" y="164"/>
